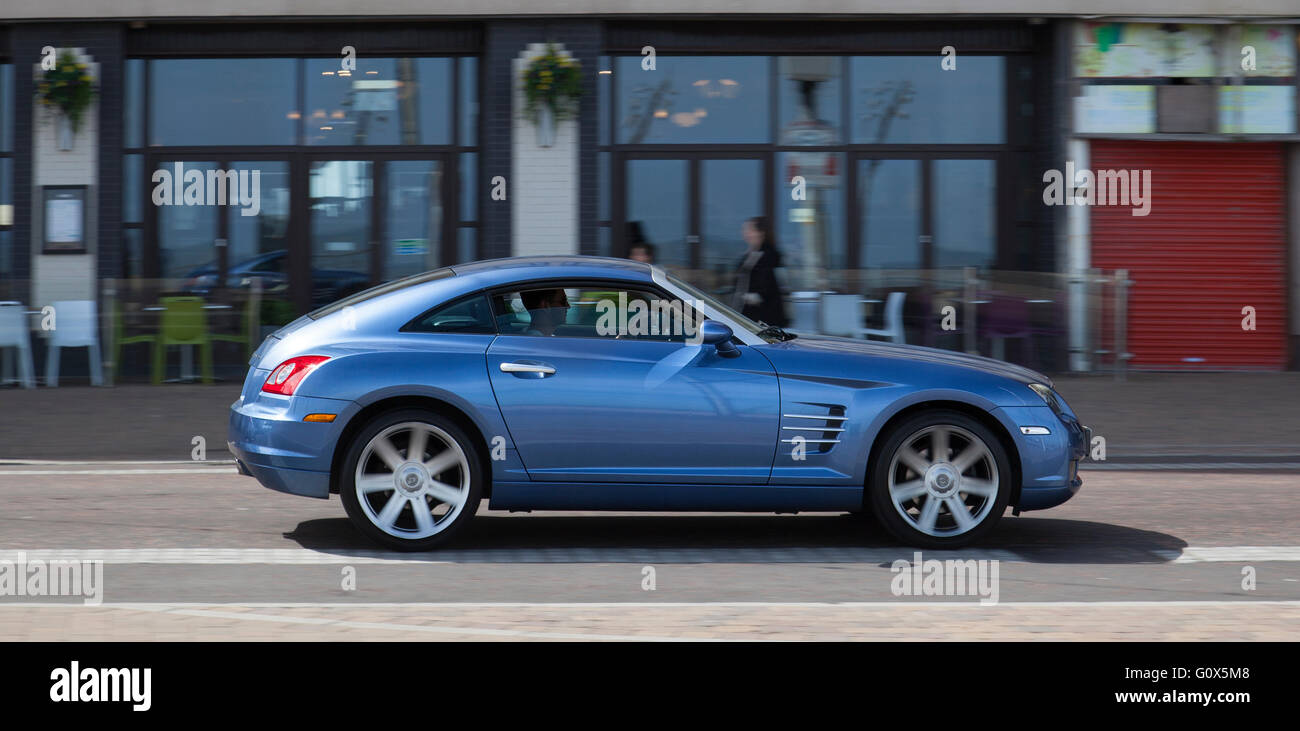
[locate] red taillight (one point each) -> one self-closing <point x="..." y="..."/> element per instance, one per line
<point x="285" y="378"/>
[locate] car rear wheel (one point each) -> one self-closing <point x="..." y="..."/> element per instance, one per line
<point x="411" y="479"/>
<point x="942" y="481"/>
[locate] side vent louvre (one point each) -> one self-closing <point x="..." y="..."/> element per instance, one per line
<point x="819" y="425"/>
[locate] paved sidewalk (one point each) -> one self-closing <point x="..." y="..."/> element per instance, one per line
<point x="1090" y="622"/>
<point x="1228" y="416"/>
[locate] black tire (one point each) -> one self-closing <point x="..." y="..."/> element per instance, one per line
<point x="405" y="533"/>
<point x="904" y="519"/>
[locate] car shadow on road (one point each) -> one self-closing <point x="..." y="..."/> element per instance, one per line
<point x="759" y="538"/>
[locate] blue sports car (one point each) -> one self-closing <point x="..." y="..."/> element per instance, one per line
<point x="585" y="383"/>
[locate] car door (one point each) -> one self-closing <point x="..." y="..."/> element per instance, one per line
<point x="587" y="404"/>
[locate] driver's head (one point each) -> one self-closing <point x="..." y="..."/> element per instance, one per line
<point x="547" y="308"/>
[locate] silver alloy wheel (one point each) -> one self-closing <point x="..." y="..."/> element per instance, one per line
<point x="412" y="480"/>
<point x="943" y="480"/>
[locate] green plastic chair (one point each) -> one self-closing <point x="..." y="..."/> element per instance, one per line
<point x="252" y="324"/>
<point x="120" y="338"/>
<point x="184" y="322"/>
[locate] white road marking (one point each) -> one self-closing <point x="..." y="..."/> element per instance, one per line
<point x="88" y="462"/>
<point x="838" y="554"/>
<point x="1238" y="554"/>
<point x="192" y="471"/>
<point x="217" y="556"/>
<point x="901" y="602"/>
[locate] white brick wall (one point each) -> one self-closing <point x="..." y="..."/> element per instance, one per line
<point x="543" y="185"/>
<point x="63" y="276"/>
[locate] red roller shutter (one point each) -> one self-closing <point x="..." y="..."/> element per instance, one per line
<point x="1213" y="243"/>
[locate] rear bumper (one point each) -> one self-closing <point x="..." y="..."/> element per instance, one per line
<point x="271" y="442"/>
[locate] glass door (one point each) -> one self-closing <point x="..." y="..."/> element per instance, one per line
<point x="341" y="229"/>
<point x="692" y="210"/>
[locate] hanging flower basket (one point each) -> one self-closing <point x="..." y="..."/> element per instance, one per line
<point x="552" y="87"/>
<point x="69" y="89"/>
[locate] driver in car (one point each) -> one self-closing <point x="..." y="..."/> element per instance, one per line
<point x="547" y="310"/>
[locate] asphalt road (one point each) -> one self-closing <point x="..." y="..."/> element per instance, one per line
<point x="198" y="552"/>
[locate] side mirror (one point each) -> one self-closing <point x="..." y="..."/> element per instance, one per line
<point x="719" y="336"/>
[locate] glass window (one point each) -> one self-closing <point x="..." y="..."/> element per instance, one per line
<point x="222" y="101"/>
<point x="594" y="312"/>
<point x="656" y="200"/>
<point x="132" y="253"/>
<point x="809" y="96"/>
<point x="694" y="99"/>
<point x="603" y="76"/>
<point x="385" y="101"/>
<point x="911" y="99"/>
<point x="340" y="194"/>
<point x="469" y="186"/>
<point x="379" y="291"/>
<point x="466" y="245"/>
<point x="133" y="104"/>
<point x="253" y="238"/>
<point x="6" y="107"/>
<point x="187" y="234"/>
<point x="468" y="101"/>
<point x="889" y="211"/>
<point x="472" y="316"/>
<point x="965" y="230"/>
<point x="810" y="222"/>
<point x="132" y="178"/>
<point x="731" y="192"/>
<point x="414" y="217"/>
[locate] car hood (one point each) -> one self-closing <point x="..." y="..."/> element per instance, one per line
<point x="828" y="344"/>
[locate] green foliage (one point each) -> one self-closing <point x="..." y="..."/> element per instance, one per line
<point x="67" y="87"/>
<point x="554" y="81"/>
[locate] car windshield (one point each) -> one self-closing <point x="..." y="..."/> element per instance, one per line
<point x="382" y="289"/>
<point x="757" y="328"/>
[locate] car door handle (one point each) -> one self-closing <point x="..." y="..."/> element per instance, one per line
<point x="544" y="370"/>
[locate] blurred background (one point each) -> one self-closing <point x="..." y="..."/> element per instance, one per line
<point x="904" y="163"/>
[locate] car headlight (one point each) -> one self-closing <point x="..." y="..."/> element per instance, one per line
<point x="1048" y="395"/>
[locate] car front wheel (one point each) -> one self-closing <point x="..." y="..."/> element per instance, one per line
<point x="411" y="479"/>
<point x="942" y="481"/>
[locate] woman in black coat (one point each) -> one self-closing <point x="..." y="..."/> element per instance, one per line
<point x="758" y="294"/>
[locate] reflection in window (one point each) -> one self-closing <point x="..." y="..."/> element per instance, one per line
<point x="910" y="99"/>
<point x="340" y="195"/>
<point x="656" y="198"/>
<point x="133" y="103"/>
<point x="964" y="227"/>
<point x="385" y="101"/>
<point x="890" y="213"/>
<point x="694" y="99"/>
<point x="226" y="101"/>
<point x="252" y="237"/>
<point x="810" y="232"/>
<point x="187" y="234"/>
<point x="468" y="101"/>
<point x="731" y="192"/>
<point x="809" y="94"/>
<point x="414" y="221"/>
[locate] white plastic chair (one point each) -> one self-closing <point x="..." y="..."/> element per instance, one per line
<point x="75" y="326"/>
<point x="893" y="319"/>
<point x="842" y="315"/>
<point x="13" y="334"/>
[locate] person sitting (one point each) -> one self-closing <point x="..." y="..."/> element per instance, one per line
<point x="547" y="310"/>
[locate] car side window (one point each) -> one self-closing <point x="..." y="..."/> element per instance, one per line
<point x="471" y="316"/>
<point x="593" y="311"/>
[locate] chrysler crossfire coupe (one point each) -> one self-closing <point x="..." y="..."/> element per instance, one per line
<point x="586" y="383"/>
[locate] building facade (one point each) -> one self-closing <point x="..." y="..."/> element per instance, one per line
<point x="306" y="153"/>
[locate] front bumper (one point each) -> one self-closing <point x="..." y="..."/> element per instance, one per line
<point x="1049" y="463"/>
<point x="272" y="443"/>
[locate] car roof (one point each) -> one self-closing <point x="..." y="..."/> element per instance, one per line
<point x="520" y="268"/>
